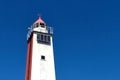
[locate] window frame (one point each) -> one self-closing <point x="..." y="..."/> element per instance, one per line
<point x="43" y="38"/>
<point x="42" y="25"/>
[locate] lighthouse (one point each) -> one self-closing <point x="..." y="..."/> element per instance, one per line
<point x="40" y="57"/>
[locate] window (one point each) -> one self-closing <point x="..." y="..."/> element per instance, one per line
<point x="42" y="57"/>
<point x="48" y="38"/>
<point x="37" y="24"/>
<point x="43" y="38"/>
<point x="38" y="36"/>
<point x="42" y="25"/>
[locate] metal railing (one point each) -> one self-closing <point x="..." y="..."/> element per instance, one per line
<point x="30" y="30"/>
<point x="50" y="30"/>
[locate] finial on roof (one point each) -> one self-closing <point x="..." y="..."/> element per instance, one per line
<point x="39" y="19"/>
<point x="40" y="15"/>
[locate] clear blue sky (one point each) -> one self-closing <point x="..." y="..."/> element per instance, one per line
<point x="86" y="37"/>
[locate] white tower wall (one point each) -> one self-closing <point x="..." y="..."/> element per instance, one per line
<point x="40" y="58"/>
<point x="42" y="69"/>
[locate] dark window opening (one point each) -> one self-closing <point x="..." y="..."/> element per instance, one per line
<point x="43" y="38"/>
<point x="42" y="57"/>
<point x="38" y="36"/>
<point x="42" y="25"/>
<point x="37" y="24"/>
<point x="48" y="38"/>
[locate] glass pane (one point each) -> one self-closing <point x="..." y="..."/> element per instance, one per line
<point x="42" y="25"/>
<point x="45" y="37"/>
<point x="37" y="24"/>
<point x="48" y="38"/>
<point x="41" y="37"/>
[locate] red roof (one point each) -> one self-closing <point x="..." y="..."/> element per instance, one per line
<point x="39" y="21"/>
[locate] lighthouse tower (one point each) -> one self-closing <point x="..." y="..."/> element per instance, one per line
<point x="40" y="58"/>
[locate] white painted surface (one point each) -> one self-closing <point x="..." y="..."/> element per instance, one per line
<point x="40" y="29"/>
<point x="42" y="70"/>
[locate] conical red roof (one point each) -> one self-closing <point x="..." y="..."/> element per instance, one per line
<point x="39" y="21"/>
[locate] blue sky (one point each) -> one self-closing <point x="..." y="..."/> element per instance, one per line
<point x="86" y="37"/>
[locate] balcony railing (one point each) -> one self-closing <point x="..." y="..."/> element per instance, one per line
<point x="50" y="31"/>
